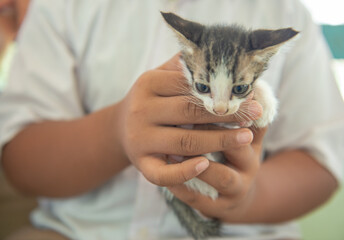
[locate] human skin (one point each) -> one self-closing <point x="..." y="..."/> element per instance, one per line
<point x="45" y="160"/>
<point x="66" y="158"/>
<point x="285" y="186"/>
<point x="19" y="9"/>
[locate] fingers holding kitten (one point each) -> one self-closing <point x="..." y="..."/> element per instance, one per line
<point x="183" y="110"/>
<point x="156" y="169"/>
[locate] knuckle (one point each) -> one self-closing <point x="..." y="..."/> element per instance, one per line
<point x="189" y="144"/>
<point x="225" y="140"/>
<point x="143" y="82"/>
<point x="137" y="111"/>
<point x="226" y="181"/>
<point x="191" y="111"/>
<point x="144" y="78"/>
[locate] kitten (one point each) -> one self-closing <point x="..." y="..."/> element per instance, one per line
<point x="222" y="64"/>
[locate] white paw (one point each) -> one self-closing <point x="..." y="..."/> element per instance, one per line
<point x="264" y="95"/>
<point x="267" y="117"/>
<point x="202" y="187"/>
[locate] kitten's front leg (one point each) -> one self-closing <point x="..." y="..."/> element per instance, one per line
<point x="265" y="96"/>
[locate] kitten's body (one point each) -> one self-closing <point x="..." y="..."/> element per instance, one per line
<point x="222" y="65"/>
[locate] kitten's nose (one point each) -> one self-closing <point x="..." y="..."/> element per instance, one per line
<point x="220" y="110"/>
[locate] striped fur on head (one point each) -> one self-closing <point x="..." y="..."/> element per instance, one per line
<point x="224" y="61"/>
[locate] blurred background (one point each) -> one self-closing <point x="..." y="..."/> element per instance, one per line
<point x="325" y="223"/>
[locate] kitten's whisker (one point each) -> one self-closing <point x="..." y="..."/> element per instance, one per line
<point x="185" y="90"/>
<point x="238" y="116"/>
<point x="248" y="114"/>
<point x="194" y="100"/>
<point x="243" y="115"/>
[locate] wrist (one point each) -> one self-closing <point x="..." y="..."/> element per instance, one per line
<point x="111" y="127"/>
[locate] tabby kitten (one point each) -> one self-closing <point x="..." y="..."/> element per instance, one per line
<point x="222" y="64"/>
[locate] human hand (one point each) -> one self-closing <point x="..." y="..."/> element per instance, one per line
<point x="235" y="182"/>
<point x="149" y="113"/>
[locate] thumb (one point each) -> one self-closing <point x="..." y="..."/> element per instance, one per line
<point x="158" y="172"/>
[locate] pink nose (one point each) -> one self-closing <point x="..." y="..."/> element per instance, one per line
<point x="220" y="111"/>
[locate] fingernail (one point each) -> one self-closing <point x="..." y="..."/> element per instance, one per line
<point x="200" y="167"/>
<point x="244" y="137"/>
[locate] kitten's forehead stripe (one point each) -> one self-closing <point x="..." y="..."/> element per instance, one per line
<point x="207" y="60"/>
<point x="228" y="46"/>
<point x="234" y="64"/>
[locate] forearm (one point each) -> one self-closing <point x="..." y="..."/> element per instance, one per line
<point x="21" y="7"/>
<point x="289" y="185"/>
<point x="64" y="158"/>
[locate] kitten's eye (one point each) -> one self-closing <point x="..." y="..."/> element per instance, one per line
<point x="240" y="89"/>
<point x="202" y="88"/>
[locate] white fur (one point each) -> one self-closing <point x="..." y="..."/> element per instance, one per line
<point x="186" y="72"/>
<point x="221" y="87"/>
<point x="264" y="95"/>
<point x="202" y="187"/>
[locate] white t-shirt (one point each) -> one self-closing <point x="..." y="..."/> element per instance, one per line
<point x="78" y="56"/>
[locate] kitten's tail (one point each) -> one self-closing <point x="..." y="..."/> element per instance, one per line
<point x="197" y="226"/>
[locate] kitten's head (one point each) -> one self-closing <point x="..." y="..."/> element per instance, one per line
<point x="222" y="63"/>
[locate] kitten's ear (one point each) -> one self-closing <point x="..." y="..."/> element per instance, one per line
<point x="265" y="43"/>
<point x="261" y="39"/>
<point x="186" y="30"/>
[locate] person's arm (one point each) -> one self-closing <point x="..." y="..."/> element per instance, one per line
<point x="289" y="185"/>
<point x="63" y="158"/>
<point x="21" y="8"/>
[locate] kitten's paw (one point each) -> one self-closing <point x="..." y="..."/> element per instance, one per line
<point x="264" y="95"/>
<point x="202" y="187"/>
<point x="246" y="124"/>
<point x="267" y="117"/>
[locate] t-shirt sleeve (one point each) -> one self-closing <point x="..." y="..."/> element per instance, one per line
<point x="43" y="83"/>
<point x="311" y="110"/>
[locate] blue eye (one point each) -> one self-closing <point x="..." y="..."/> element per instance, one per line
<point x="240" y="89"/>
<point x="202" y="88"/>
